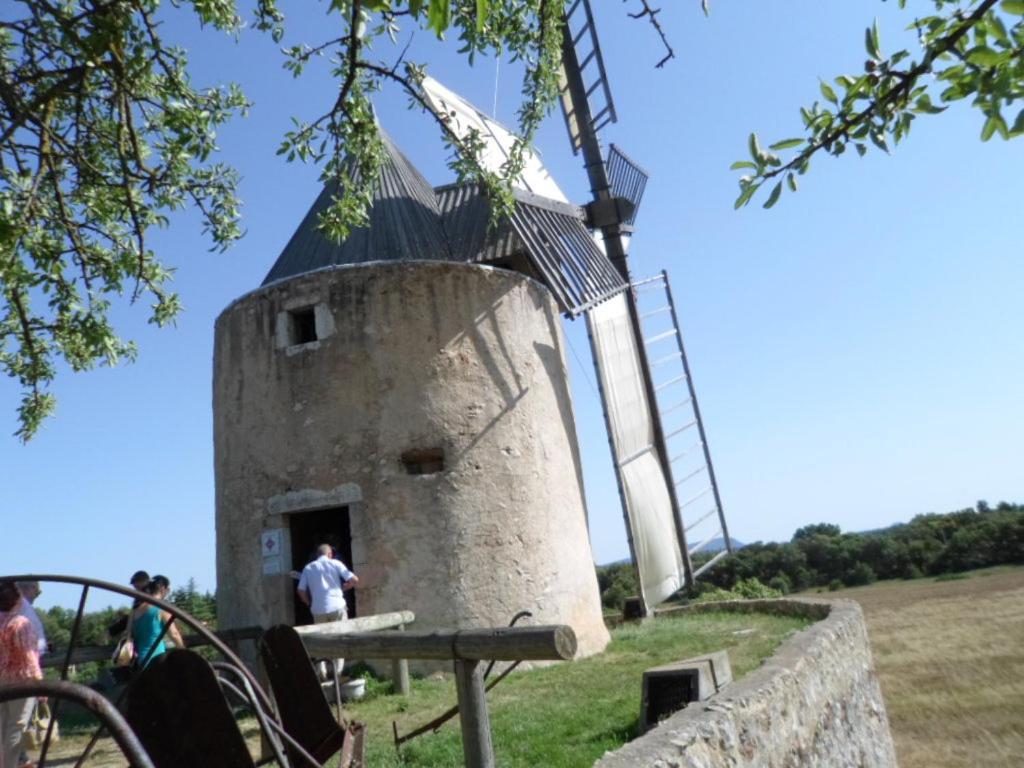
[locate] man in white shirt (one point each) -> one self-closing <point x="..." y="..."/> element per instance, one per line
<point x="29" y="592"/>
<point x="322" y="587"/>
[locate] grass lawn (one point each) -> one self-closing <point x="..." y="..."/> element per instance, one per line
<point x="568" y="714"/>
<point x="563" y="715"/>
<point x="950" y="657"/>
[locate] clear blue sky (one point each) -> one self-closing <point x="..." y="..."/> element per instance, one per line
<point x="857" y="350"/>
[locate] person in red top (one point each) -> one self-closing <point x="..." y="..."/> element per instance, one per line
<point x="19" y="660"/>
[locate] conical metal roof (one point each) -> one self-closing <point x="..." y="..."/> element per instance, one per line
<point x="405" y="225"/>
<point x="411" y="221"/>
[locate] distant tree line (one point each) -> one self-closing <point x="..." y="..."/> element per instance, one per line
<point x="822" y="555"/>
<point x="929" y="545"/>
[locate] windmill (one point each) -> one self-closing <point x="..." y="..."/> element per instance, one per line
<point x="665" y="476"/>
<point x="403" y="393"/>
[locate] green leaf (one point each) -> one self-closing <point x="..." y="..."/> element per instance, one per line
<point x="482" y="9"/>
<point x="871" y="43"/>
<point x="1018" y="125"/>
<point x="745" y="195"/>
<point x="792" y="182"/>
<point x="983" y="56"/>
<point x="924" y="104"/>
<point x="773" y="198"/>
<point x="755" y="148"/>
<point x="998" y="30"/>
<point x="439" y="16"/>
<point x="828" y="93"/>
<point x="989" y="127"/>
<point x="786" y="144"/>
<point x="742" y="164"/>
<point x="1016" y="7"/>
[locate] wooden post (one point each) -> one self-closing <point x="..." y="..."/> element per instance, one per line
<point x="400" y="671"/>
<point x="476" y="723"/>
<point x="501" y="644"/>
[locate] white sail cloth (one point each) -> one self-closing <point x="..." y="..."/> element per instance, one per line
<point x="644" y="485"/>
<point x="463" y="117"/>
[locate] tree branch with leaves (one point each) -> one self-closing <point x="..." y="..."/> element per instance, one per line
<point x="101" y="134"/>
<point x="967" y="50"/>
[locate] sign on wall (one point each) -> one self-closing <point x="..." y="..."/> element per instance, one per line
<point x="270" y="549"/>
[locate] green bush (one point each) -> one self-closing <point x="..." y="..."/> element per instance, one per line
<point x="913" y="572"/>
<point x="781" y="584"/>
<point x="616" y="582"/>
<point x="752" y="589"/>
<point x="860" y="575"/>
<point x="747" y="589"/>
<point x="835" y="585"/>
<point x="716" y="594"/>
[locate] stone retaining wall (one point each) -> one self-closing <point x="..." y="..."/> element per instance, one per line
<point x="816" y="702"/>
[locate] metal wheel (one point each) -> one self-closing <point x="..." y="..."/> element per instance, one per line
<point x="110" y="721"/>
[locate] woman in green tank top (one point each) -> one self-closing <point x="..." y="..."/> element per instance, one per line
<point x="148" y="622"/>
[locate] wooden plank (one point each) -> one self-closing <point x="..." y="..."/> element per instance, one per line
<point x="502" y="644"/>
<point x="477" y="748"/>
<point x="359" y="624"/>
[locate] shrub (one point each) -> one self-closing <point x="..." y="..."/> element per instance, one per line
<point x="781" y="584"/>
<point x="714" y="594"/>
<point x="952" y="576"/>
<point x="747" y="589"/>
<point x="913" y="572"/>
<point x="860" y="575"/>
<point x="835" y="585"/>
<point x="752" y="589"/>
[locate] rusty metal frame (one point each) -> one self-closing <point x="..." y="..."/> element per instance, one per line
<point x="107" y="714"/>
<point x="176" y="614"/>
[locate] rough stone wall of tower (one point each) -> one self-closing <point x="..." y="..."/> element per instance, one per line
<point x="409" y="357"/>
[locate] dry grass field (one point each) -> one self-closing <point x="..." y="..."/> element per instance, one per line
<point x="950" y="657"/>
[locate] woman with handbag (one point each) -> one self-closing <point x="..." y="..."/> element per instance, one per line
<point x="19" y="661"/>
<point x="148" y="622"/>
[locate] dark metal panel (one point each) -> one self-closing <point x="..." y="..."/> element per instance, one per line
<point x="565" y="254"/>
<point x="627" y="179"/>
<point x="548" y="232"/>
<point x="404" y="225"/>
<point x="465" y="217"/>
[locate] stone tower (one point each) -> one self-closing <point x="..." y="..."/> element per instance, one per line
<point x="403" y="396"/>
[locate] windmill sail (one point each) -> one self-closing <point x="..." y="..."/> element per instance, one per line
<point x="650" y="495"/>
<point x="651" y="523"/>
<point x="690" y="469"/>
<point x="582" y="57"/>
<point x="463" y="117"/>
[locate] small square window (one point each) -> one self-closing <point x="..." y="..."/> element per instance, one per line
<point x="302" y="326"/>
<point x="424" y="461"/>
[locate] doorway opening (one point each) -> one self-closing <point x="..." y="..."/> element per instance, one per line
<point x="308" y="531"/>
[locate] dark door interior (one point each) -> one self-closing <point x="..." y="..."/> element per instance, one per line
<point x="308" y="531"/>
